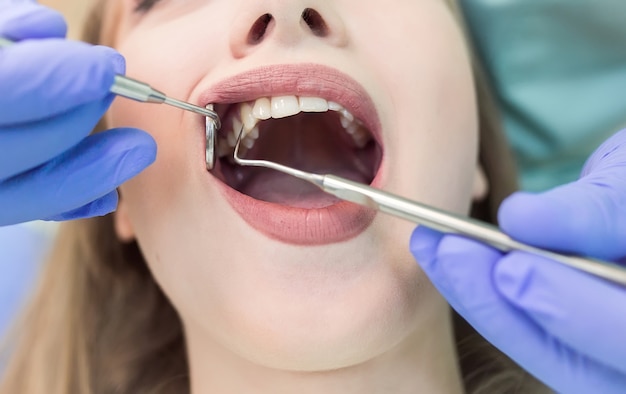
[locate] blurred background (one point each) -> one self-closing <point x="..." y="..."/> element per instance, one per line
<point x="74" y="11"/>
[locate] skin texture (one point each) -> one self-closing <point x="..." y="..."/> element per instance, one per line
<point x="353" y="316"/>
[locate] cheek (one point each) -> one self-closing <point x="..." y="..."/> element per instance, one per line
<point x="168" y="174"/>
<point x="428" y="107"/>
<point x="160" y="199"/>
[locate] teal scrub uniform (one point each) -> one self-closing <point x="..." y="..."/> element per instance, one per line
<point x="559" y="70"/>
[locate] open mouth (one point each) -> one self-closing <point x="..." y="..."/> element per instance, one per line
<point x="307" y="116"/>
<point x="308" y="133"/>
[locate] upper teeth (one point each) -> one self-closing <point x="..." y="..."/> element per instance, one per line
<point x="251" y="113"/>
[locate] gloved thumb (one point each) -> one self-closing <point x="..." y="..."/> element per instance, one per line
<point x="586" y="217"/>
<point x="28" y="20"/>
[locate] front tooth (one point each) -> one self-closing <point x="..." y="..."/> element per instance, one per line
<point x="262" y="109"/>
<point x="313" y="104"/>
<point x="248" y="119"/>
<point x="345" y="122"/>
<point x="333" y="106"/>
<point x="284" y="106"/>
<point x="347" y="115"/>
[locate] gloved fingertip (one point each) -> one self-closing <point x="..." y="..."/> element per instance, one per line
<point x="116" y="59"/>
<point x="424" y="243"/>
<point x="104" y="205"/>
<point x="542" y="219"/>
<point x="515" y="210"/>
<point x="611" y="152"/>
<point x="133" y="163"/>
<point x="140" y="152"/>
<point x="30" y="21"/>
<point x="100" y="207"/>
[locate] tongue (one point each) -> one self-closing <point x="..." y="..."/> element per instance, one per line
<point x="272" y="186"/>
<point x="287" y="190"/>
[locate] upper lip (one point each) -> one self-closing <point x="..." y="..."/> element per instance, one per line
<point x="306" y="79"/>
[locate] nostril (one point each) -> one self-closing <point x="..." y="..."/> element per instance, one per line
<point x="316" y="23"/>
<point x="259" y="28"/>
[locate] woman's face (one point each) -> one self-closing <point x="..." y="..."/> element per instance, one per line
<point x="260" y="264"/>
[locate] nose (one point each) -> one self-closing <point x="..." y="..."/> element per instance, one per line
<point x="286" y="23"/>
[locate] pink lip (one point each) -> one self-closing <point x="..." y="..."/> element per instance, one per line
<point x="301" y="226"/>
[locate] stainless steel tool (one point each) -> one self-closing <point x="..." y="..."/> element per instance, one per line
<point x="142" y="92"/>
<point x="435" y="218"/>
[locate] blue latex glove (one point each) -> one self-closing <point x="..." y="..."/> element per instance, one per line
<point x="54" y="91"/>
<point x="565" y="327"/>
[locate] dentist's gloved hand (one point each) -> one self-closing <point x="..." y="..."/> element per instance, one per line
<point x="52" y="94"/>
<point x="565" y="327"/>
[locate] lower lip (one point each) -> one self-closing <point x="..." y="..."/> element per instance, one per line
<point x="300" y="226"/>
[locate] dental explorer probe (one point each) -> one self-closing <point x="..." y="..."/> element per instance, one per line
<point x="142" y="92"/>
<point x="434" y="218"/>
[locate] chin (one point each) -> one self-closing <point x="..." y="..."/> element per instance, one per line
<point x="321" y="308"/>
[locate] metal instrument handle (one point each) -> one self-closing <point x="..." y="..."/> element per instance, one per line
<point x="450" y="223"/>
<point x="136" y="90"/>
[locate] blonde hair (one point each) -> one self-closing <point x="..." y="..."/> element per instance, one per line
<point x="100" y="324"/>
